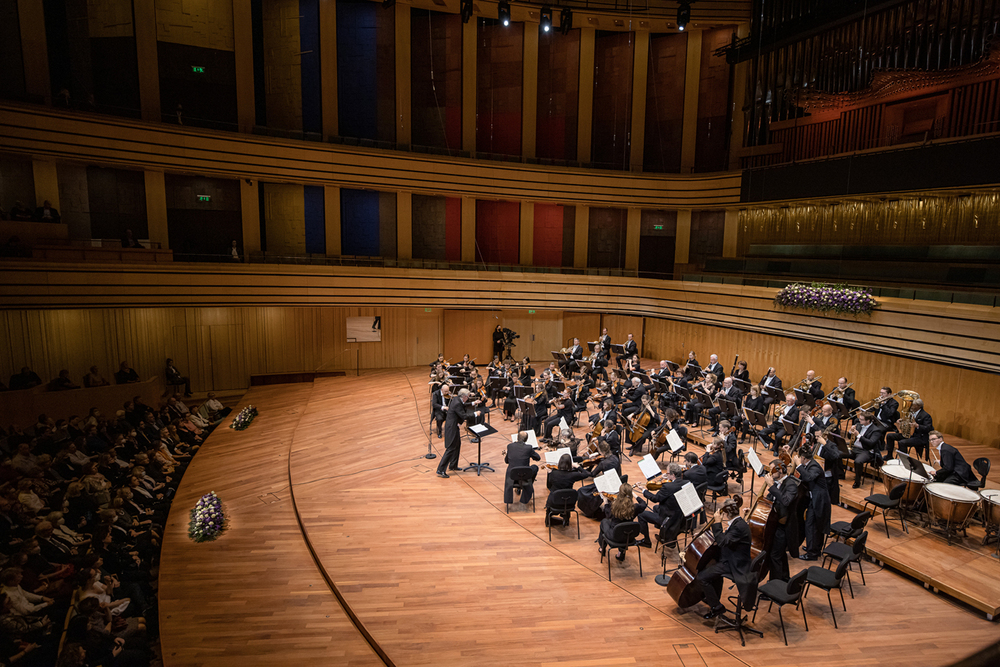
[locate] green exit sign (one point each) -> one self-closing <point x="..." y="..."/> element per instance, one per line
<point x="658" y="227"/>
<point x="531" y="312"/>
<point x="204" y="197"/>
<point x="427" y="310"/>
<point x="197" y="69"/>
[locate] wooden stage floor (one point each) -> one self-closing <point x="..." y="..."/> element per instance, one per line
<point x="435" y="571"/>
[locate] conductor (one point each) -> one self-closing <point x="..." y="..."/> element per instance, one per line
<point x="458" y="413"/>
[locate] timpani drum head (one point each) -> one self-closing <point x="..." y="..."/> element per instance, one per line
<point x="958" y="494"/>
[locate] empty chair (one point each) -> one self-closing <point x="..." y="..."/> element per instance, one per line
<point x="820" y="577"/>
<point x="781" y="593"/>
<point x="622" y="537"/>
<point x="562" y="501"/>
<point x="522" y="478"/>
<point x="887" y="503"/>
<point x="849" y="530"/>
<point x="982" y="468"/>
<point x="853" y="553"/>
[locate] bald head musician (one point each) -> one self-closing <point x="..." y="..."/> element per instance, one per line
<point x="954" y="468"/>
<point x="458" y="414"/>
<point x="520" y="455"/>
<point x="775" y="433"/>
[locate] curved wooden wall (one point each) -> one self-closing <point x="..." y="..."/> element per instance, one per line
<point x="108" y="141"/>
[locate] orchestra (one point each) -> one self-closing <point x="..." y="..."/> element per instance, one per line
<point x="817" y="437"/>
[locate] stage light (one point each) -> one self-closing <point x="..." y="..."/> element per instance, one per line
<point x="546" y="21"/>
<point x="683" y="15"/>
<point x="466" y="10"/>
<point x="503" y="10"/>
<point x="565" y="21"/>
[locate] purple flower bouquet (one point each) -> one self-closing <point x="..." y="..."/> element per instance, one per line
<point x="207" y="519"/>
<point x="826" y="298"/>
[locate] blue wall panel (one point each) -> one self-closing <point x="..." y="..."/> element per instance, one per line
<point x="312" y="105"/>
<point x="359" y="222"/>
<point x="315" y="215"/>
<point x="356" y="71"/>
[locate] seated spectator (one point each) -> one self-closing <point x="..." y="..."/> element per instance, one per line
<point x="216" y="409"/>
<point x="62" y="382"/>
<point x="234" y="251"/>
<point x="29" y="499"/>
<point x="177" y="408"/>
<point x="26" y="379"/>
<point x="125" y="374"/>
<point x="94" y="378"/>
<point x="22" y="635"/>
<point x="20" y="212"/>
<point x="128" y="241"/>
<point x="22" y="603"/>
<point x="174" y="378"/>
<point x="45" y="213"/>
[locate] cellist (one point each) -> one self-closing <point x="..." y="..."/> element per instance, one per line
<point x="734" y="558"/>
<point x="782" y="492"/>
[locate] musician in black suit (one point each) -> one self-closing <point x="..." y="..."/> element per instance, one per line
<point x="458" y="414"/>
<point x="774" y="434"/>
<point x="440" y="398"/>
<point x="818" y="510"/>
<point x="730" y="393"/>
<point x="520" y="454"/>
<point x="813" y="386"/>
<point x="631" y="350"/>
<point x="610" y="436"/>
<point x="667" y="513"/>
<point x="730" y="446"/>
<point x="868" y="441"/>
<point x="565" y="409"/>
<point x="600" y="363"/>
<point x="607" y="412"/>
<point x="573" y="357"/>
<point x="635" y="394"/>
<point x="782" y="491"/>
<point x="694" y="471"/>
<point x="770" y="380"/>
<point x="923" y="424"/>
<point x="734" y="554"/>
<point x="715" y="367"/>
<point x="605" y="340"/>
<point x="843" y="394"/>
<point x="954" y="468"/>
<point x="887" y="411"/>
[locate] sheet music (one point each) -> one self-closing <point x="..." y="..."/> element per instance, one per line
<point x="688" y="500"/>
<point x="553" y="457"/>
<point x="562" y="423"/>
<point x="649" y="467"/>
<point x="479" y="429"/>
<point x="755" y="463"/>
<point x="609" y="482"/>
<point x="532" y="439"/>
<point x="674" y="440"/>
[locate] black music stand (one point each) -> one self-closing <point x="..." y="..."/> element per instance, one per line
<point x="480" y="431"/>
<point x="642" y="377"/>
<point x="592" y="345"/>
<point x="671" y="366"/>
<point x="777" y="394"/>
<point x="558" y="356"/>
<point x="728" y="407"/>
<point x="683" y="392"/>
<point x="742" y="385"/>
<point x="805" y="398"/>
<point x="790" y="428"/>
<point x="842" y="411"/>
<point x="618" y="349"/>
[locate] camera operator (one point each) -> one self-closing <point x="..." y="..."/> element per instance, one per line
<point x="498" y="342"/>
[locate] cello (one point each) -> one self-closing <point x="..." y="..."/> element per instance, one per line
<point x="683" y="586"/>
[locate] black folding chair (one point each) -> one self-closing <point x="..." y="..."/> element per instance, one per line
<point x="623" y="536"/>
<point x="849" y="530"/>
<point x="562" y="501"/>
<point x="781" y="593"/>
<point x="889" y="502"/>
<point x="820" y="577"/>
<point x="523" y="478"/>
<point x="840" y="551"/>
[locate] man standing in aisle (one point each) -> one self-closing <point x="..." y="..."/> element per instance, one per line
<point x="458" y="413"/>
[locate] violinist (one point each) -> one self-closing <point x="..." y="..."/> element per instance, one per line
<point x="734" y="557"/>
<point x="714" y="461"/>
<point x="581" y="393"/>
<point x="694" y="471"/>
<point x="520" y="454"/>
<point x="527" y="372"/>
<point x="728" y="392"/>
<point x="866" y="440"/>
<point x="439" y="406"/>
<point x="774" y="434"/>
<point x="565" y="409"/>
<point x="667" y="515"/>
<point x="741" y="372"/>
<point x="568" y="440"/>
<point x="565" y="476"/>
<point x="620" y="510"/>
<point x="729" y="447"/>
<point x="495" y="367"/>
<point x="811" y="475"/>
<point x="782" y="492"/>
<point x="606" y="460"/>
<point x="534" y="416"/>
<point x="635" y="395"/>
<point x="439" y="362"/>
<point x="479" y="399"/>
<point x="671" y="421"/>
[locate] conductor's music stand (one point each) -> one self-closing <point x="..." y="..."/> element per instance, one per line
<point x="481" y="431"/>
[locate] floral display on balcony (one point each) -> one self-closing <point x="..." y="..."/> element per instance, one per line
<point x="826" y="298"/>
<point x="243" y="419"/>
<point x="207" y="519"/>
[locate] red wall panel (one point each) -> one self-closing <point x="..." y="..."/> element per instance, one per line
<point x="498" y="231"/>
<point x="453" y="229"/>
<point x="548" y="237"/>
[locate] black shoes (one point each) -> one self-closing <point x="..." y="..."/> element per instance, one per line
<point x="808" y="557"/>
<point x="443" y="475"/>
<point x="644" y="543"/>
<point x="716" y="611"/>
<point x="620" y="557"/>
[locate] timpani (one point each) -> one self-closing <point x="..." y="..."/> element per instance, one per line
<point x="893" y="473"/>
<point x="950" y="506"/>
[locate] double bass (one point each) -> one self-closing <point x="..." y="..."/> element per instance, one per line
<point x="683" y="586"/>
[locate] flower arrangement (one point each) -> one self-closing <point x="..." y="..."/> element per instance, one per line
<point x="207" y="519"/>
<point x="243" y="419"/>
<point x="824" y="297"/>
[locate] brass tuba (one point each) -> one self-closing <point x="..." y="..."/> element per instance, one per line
<point x="906" y="423"/>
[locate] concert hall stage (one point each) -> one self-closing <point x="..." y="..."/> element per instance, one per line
<point x="330" y="500"/>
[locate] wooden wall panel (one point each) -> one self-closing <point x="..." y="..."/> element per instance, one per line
<point x="470" y="332"/>
<point x="619" y="326"/>
<point x="585" y="326"/>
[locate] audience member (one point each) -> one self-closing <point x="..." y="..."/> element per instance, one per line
<point x="128" y="241"/>
<point x="26" y="379"/>
<point x="94" y="378"/>
<point x="62" y="382"/>
<point x="126" y="374"/>
<point x="20" y="212"/>
<point x="46" y="213"/>
<point x="175" y="378"/>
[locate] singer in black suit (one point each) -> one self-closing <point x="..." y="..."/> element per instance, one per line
<point x="734" y="555"/>
<point x="954" y="468"/>
<point x="520" y="454"/>
<point x="458" y="414"/>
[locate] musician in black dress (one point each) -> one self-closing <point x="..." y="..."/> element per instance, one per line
<point x="734" y="555"/>
<point x="563" y="477"/>
<point x="755" y="402"/>
<point x="612" y="438"/>
<point x="818" y="510"/>
<point x="741" y="372"/>
<point x="671" y="420"/>
<point x="620" y="510"/>
<point x="458" y="414"/>
<point x="782" y="492"/>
